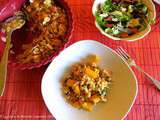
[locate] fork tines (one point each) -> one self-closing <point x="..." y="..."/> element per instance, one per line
<point x="122" y="53"/>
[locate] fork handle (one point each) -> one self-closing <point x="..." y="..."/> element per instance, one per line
<point x="3" y="63"/>
<point x="155" y="82"/>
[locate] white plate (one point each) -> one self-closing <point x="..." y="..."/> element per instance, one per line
<point x="157" y="1"/>
<point x="121" y="96"/>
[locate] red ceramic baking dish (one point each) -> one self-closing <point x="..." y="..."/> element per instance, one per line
<point x="19" y="35"/>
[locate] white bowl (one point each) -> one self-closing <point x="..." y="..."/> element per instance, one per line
<point x="139" y="35"/>
<point x="121" y="95"/>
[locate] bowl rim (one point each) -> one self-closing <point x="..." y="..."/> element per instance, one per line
<point x="128" y="38"/>
<point x="110" y="49"/>
<point x="21" y="66"/>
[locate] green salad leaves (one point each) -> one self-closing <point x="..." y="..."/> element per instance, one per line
<point x="122" y="18"/>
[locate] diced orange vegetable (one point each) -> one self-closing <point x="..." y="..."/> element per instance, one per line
<point x="91" y="73"/>
<point x="76" y="104"/>
<point x="36" y="58"/>
<point x="44" y="14"/>
<point x="93" y="58"/>
<point x="95" y="99"/>
<point x="70" y="83"/>
<point x="35" y="4"/>
<point x="76" y="89"/>
<point x="88" y="106"/>
<point x="134" y="22"/>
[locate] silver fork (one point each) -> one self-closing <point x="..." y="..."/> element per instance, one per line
<point x="131" y="62"/>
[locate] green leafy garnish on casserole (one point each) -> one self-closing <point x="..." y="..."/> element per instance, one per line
<point x="123" y="18"/>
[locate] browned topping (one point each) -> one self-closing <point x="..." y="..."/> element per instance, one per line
<point x="48" y="24"/>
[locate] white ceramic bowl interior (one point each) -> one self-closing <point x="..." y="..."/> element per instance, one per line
<point x="140" y="35"/>
<point x="121" y="95"/>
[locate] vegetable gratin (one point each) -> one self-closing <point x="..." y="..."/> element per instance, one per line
<point x="87" y="84"/>
<point x="123" y="18"/>
<point x="47" y="24"/>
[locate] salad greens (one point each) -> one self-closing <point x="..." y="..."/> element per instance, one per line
<point x="122" y="18"/>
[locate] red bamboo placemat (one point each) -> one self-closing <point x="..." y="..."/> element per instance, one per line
<point x="22" y="97"/>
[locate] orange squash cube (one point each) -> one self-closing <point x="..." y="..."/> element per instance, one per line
<point x="70" y="83"/>
<point x="91" y="73"/>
